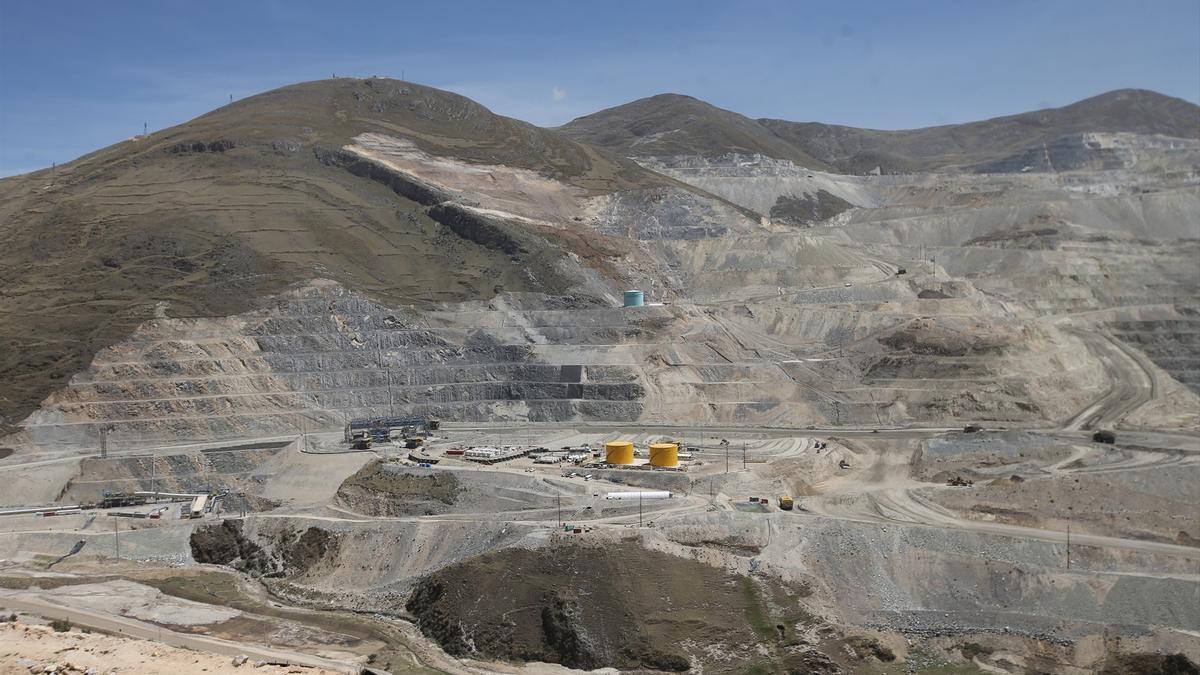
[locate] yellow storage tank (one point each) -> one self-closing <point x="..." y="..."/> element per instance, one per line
<point x="618" y="452"/>
<point x="664" y="455"/>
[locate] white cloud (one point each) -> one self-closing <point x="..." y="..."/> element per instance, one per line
<point x="558" y="93"/>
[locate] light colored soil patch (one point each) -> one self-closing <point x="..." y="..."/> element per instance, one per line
<point x="140" y="602"/>
<point x="23" y="646"/>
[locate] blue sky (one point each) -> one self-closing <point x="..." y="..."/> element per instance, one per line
<point x="76" y="76"/>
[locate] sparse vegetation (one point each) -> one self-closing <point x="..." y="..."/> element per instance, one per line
<point x="970" y="650"/>
<point x="756" y="613"/>
<point x="60" y="625"/>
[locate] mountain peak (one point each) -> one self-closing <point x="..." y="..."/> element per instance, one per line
<point x="676" y="124"/>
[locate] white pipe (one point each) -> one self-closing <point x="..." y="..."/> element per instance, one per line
<point x="656" y="494"/>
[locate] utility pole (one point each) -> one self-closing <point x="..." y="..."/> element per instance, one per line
<point x="117" y="536"/>
<point x="743" y="456"/>
<point x="560" y="521"/>
<point x="104" y="442"/>
<point x="1068" y="544"/>
<point x="837" y="410"/>
<point x="145" y="129"/>
<point x="153" y="478"/>
<point x="639" y="509"/>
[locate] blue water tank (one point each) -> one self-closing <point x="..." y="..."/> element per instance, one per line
<point x="634" y="298"/>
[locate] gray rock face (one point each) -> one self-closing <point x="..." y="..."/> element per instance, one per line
<point x="665" y="213"/>
<point x="314" y="358"/>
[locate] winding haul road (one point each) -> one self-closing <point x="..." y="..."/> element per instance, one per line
<point x="1133" y="382"/>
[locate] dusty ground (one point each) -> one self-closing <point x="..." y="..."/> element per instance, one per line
<point x="25" y="646"/>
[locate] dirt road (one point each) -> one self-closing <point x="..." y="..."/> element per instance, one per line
<point x="1133" y="382"/>
<point x="881" y="490"/>
<point x="119" y="625"/>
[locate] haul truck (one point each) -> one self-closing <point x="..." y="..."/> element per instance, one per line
<point x="785" y="502"/>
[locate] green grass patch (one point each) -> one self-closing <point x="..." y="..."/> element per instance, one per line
<point x="756" y="612"/>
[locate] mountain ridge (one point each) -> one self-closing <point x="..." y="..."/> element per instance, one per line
<point x="639" y="127"/>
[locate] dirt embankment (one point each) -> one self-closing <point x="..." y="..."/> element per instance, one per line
<point x="617" y="605"/>
<point x="924" y="337"/>
<point x="383" y="490"/>
<point x="380" y="489"/>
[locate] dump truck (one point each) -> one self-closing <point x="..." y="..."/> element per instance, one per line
<point x="785" y="502"/>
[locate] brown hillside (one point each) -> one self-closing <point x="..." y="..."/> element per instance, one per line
<point x="202" y="218"/>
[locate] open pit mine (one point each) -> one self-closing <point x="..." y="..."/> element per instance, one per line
<point x="357" y="376"/>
